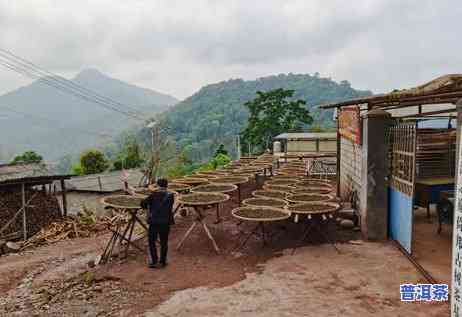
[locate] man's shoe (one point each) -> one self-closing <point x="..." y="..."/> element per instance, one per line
<point x="163" y="264"/>
<point x="152" y="265"/>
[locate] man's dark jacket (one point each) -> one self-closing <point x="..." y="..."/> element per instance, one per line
<point x="160" y="207"/>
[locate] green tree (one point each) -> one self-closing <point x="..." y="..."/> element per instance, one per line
<point x="130" y="155"/>
<point x="27" y="157"/>
<point x="221" y="150"/>
<point x="272" y="113"/>
<point x="220" y="160"/>
<point x="93" y="161"/>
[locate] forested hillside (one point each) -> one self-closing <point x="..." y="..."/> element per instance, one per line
<point x="216" y="113"/>
<point x="55" y="123"/>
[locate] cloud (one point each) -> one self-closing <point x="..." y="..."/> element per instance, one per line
<point x="178" y="46"/>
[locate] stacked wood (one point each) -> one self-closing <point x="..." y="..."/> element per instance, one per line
<point x="42" y="209"/>
<point x="85" y="224"/>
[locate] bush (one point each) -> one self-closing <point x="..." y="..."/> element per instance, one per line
<point x="27" y="157"/>
<point x="93" y="161"/>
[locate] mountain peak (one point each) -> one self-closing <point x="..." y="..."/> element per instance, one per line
<point x="89" y="73"/>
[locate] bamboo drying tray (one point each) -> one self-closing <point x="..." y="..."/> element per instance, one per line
<point x="214" y="188"/>
<point x="311" y="190"/>
<point x="283" y="182"/>
<point x="305" y="183"/>
<point x="286" y="177"/>
<point x="260" y="214"/>
<point x="174" y="186"/>
<point x="143" y="191"/>
<point x="264" y="202"/>
<point x="217" y="173"/>
<point x="230" y="180"/>
<point x="123" y="201"/>
<point x="208" y="176"/>
<point x="281" y="188"/>
<point x="311" y="197"/>
<point x="192" y="181"/>
<point x="202" y="199"/>
<point x="314" y="208"/>
<point x="270" y="194"/>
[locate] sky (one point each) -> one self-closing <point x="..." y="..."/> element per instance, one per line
<point x="176" y="47"/>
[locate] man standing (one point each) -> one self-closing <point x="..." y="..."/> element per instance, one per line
<point x="160" y="217"/>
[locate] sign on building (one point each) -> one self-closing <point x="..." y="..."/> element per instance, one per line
<point x="349" y="123"/>
<point x="456" y="300"/>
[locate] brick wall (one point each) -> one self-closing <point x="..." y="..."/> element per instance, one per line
<point x="350" y="167"/>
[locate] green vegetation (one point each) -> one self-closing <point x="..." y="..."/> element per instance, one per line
<point x="27" y="157"/>
<point x="216" y="113"/>
<point x="129" y="155"/>
<point x="272" y="113"/>
<point x="91" y="162"/>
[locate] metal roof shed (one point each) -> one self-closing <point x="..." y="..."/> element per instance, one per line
<point x="18" y="177"/>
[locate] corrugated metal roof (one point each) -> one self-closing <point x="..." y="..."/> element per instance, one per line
<point x="306" y="136"/>
<point x="25" y="172"/>
<point x="104" y="182"/>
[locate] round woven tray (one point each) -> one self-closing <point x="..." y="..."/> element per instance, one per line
<point x="261" y="164"/>
<point x="208" y="176"/>
<point x="305" y="183"/>
<point x="192" y="181"/>
<point x="311" y="197"/>
<point x="252" y="169"/>
<point x="311" y="190"/>
<point x="314" y="208"/>
<point x="214" y="188"/>
<point x="263" y="214"/>
<point x="264" y="202"/>
<point x="117" y="201"/>
<point x="203" y="199"/>
<point x="292" y="173"/>
<point x="270" y="194"/>
<point x="283" y="182"/>
<point x="281" y="188"/>
<point x="177" y="187"/>
<point x="143" y="191"/>
<point x="241" y="174"/>
<point x="286" y="177"/>
<point x="217" y="173"/>
<point x="230" y="180"/>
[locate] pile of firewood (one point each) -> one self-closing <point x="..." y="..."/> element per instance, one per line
<point x="85" y="224"/>
<point x="42" y="209"/>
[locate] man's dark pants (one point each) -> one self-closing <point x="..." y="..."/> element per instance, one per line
<point x="161" y="231"/>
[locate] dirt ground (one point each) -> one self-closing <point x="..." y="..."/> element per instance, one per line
<point x="432" y="250"/>
<point x="56" y="280"/>
<point x="361" y="281"/>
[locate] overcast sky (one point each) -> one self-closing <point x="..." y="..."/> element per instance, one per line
<point x="178" y="46"/>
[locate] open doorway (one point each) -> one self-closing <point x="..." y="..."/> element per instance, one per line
<point x="435" y="158"/>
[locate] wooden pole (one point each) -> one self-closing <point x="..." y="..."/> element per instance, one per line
<point x="63" y="192"/>
<point x="24" y="220"/>
<point x="99" y="183"/>
<point x="338" y="157"/>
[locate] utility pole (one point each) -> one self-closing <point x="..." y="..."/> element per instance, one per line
<point x="152" y="169"/>
<point x="238" y="147"/>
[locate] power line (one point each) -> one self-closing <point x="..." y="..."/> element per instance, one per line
<point x="23" y="61"/>
<point x="104" y="135"/>
<point x="28" y="69"/>
<point x="48" y="81"/>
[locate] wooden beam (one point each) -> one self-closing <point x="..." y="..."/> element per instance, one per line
<point x="424" y="114"/>
<point x="24" y="212"/>
<point x="63" y="192"/>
